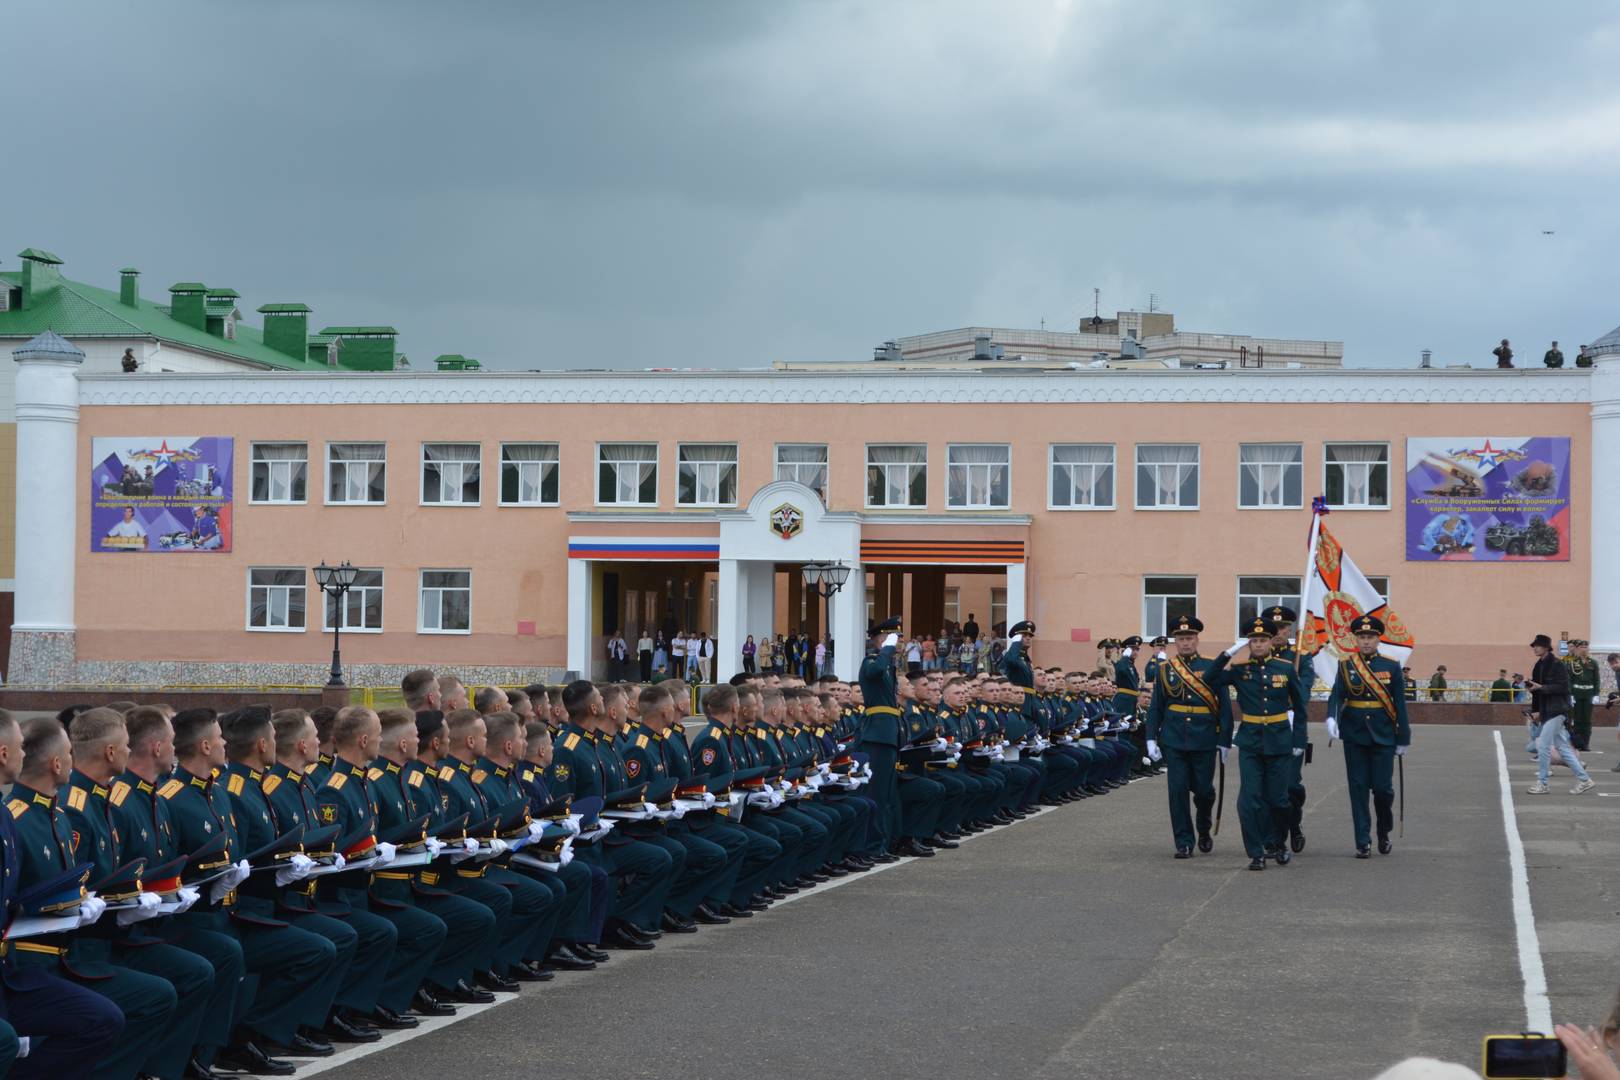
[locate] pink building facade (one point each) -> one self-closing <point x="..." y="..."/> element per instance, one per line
<point x="506" y="522"/>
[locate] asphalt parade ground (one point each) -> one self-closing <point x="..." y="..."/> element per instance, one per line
<point x="1072" y="944"/>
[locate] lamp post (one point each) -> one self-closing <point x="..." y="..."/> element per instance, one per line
<point x="335" y="581"/>
<point x="825" y="579"/>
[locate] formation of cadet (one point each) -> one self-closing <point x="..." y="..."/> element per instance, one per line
<point x="194" y="893"/>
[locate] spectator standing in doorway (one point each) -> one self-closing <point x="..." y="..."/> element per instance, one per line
<point x="644" y="654"/>
<point x="1503" y="354"/>
<point x="660" y="657"/>
<point x="1437" y="684"/>
<point x="705" y="656"/>
<point x="677" y="655"/>
<point x="970" y="629"/>
<point x="749" y="652"/>
<point x="821" y="658"/>
<point x="1549" y="708"/>
<point x="1553" y="357"/>
<point x="616" y="652"/>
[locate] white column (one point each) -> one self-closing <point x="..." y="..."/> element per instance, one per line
<point x="1604" y="506"/>
<point x="48" y="537"/>
<point x="759" y="612"/>
<point x="1015" y="595"/>
<point x="579" y="617"/>
<point x="733" y="601"/>
<point x="848" y="621"/>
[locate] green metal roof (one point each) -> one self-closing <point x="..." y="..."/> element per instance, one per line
<point x="38" y="256"/>
<point x="223" y="293"/>
<point x="129" y="270"/>
<point x="340" y="331"/>
<point x="188" y="286"/>
<point x="282" y="309"/>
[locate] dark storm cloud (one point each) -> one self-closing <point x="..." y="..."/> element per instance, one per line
<point x="728" y="184"/>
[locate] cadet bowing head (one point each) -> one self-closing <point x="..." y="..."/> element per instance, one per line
<point x="355" y="734"/>
<point x="421" y="689"/>
<point x="297" y="744"/>
<point x="45" y="761"/>
<point x="398" y="740"/>
<point x="100" y="743"/>
<point x="11" y="749"/>
<point x="720" y="705"/>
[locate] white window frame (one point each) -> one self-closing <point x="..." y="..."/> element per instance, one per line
<point x="866" y="478"/>
<point x="247" y="619"/>
<point x="500" y="485"/>
<point x="1290" y="600"/>
<point x="953" y="603"/>
<point x="461" y="472"/>
<point x="421" y="592"/>
<point x="777" y="465"/>
<point x="698" y="468"/>
<point x="1052" y="464"/>
<point x="969" y="467"/>
<point x="1284" y="465"/>
<point x="998" y="605"/>
<point x="596" y="473"/>
<point x="1198" y="480"/>
<point x="326" y="626"/>
<point x="1148" y="631"/>
<point x="1389" y="472"/>
<point x="326" y="487"/>
<point x="271" y="465"/>
<point x="1383" y="594"/>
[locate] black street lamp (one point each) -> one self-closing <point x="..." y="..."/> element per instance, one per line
<point x="825" y="579"/>
<point x="335" y="581"/>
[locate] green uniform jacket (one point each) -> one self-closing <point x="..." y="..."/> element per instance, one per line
<point x="1266" y="689"/>
<point x="1178" y="719"/>
<point x="1362" y="720"/>
<point x="882" y="705"/>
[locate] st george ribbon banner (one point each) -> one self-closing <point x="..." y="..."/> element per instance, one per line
<point x="1497" y="498"/>
<point x="163" y="493"/>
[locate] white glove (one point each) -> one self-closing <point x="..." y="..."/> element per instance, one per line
<point x="297" y="869"/>
<point x="498" y="846"/>
<point x="536" y="829"/>
<point x="229" y="881"/>
<point x="1016" y="638"/>
<point x="385" y="853"/>
<point x="1299" y="751"/>
<point x="1234" y="648"/>
<point x="22" y="1046"/>
<point x="566" y="855"/>
<point x="464" y="850"/>
<point x="1153" y="751"/>
<point x="1223" y="751"/>
<point x="572" y="822"/>
<point x="186" y="897"/>
<point x="1332" y="727"/>
<point x="891" y="641"/>
<point x="1400" y="751"/>
<point x="91" y="910"/>
<point x="147" y="906"/>
<point x="434" y="846"/>
<point x="339" y="862"/>
<point x="1159" y="655"/>
<point x="1128" y="653"/>
<point x="1290" y="719"/>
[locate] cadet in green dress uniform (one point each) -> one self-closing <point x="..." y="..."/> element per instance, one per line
<point x="1193" y="721"/>
<point x="880" y="738"/>
<point x="1281" y="620"/>
<point x="1583" y="686"/>
<point x="1270" y="736"/>
<point x="1367" y="712"/>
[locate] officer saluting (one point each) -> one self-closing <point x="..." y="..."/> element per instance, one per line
<point x="1194" y="722"/>
<point x="1367" y="711"/>
<point x="880" y="729"/>
<point x="1280" y="620"/>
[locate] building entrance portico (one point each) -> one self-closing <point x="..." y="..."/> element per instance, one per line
<point x="784" y="526"/>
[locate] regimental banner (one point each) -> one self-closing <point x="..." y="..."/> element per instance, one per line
<point x="1497" y="498"/>
<point x="165" y="493"/>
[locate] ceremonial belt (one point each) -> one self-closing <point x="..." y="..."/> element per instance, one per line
<point x="1377" y="689"/>
<point x="391" y="875"/>
<point x="1273" y="718"/>
<point x="1123" y="690"/>
<point x="882" y="710"/>
<point x="1364" y="703"/>
<point x="478" y="873"/>
<point x="1194" y="682"/>
<point x="1198" y="710"/>
<point x="48" y="950"/>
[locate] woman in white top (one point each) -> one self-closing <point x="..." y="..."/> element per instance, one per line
<point x="644" y="651"/>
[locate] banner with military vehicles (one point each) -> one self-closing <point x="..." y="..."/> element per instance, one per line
<point x="1496" y="498"/>
<point x="163" y="493"/>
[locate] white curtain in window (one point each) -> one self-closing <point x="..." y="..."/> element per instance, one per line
<point x="713" y="469"/>
<point x="451" y="452"/>
<point x="532" y="481"/>
<point x="897" y="481"/>
<point x="358" y="451"/>
<point x="634" y="463"/>
<point x="278" y="452"/>
<point x="1269" y="482"/>
<point x="1168" y="481"/>
<point x="1078" y="487"/>
<point x="975" y="479"/>
<point x="1356" y="461"/>
<point x="726" y="452"/>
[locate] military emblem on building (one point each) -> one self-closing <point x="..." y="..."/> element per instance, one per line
<point x="787" y="521"/>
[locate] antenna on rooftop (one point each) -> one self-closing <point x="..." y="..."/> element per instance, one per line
<point x="1153" y="302"/>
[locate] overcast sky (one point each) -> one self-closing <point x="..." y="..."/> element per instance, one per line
<point x="728" y="184"/>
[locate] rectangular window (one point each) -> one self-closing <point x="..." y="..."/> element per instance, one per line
<point x="1167" y="476"/>
<point x="953" y="604"/>
<point x="529" y="474"/>
<point x="805" y="463"/>
<point x="1270" y="476"/>
<point x="998" y="612"/>
<point x="707" y="474"/>
<point x="897" y="475"/>
<point x="1165" y="599"/>
<point x="446" y="602"/>
<point x="978" y="476"/>
<point x="1356" y="476"/>
<point x="276" y="598"/>
<point x="627" y="474"/>
<point x="450" y="473"/>
<point x="356" y="472"/>
<point x="1082" y="476"/>
<point x="280" y="472"/>
<point x="362" y="604"/>
<point x="1256" y="594"/>
<point x="1382" y="585"/>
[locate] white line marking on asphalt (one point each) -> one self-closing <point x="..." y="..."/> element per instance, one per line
<point x="1537" y="1009"/>
<point x="428" y="1025"/>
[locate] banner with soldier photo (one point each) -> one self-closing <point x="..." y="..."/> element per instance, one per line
<point x="164" y="493"/>
<point x="1497" y="498"/>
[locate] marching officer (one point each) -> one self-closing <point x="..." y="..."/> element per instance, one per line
<point x="1583" y="686"/>
<point x="1367" y="712"/>
<point x="1194" y="722"/>
<point x="1271" y="736"/>
<point x="1281" y="620"/>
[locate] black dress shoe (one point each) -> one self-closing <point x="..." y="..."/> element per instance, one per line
<point x="836" y="869"/>
<point x="463" y="994"/>
<point x="346" y="1029"/>
<point x="301" y="1046"/>
<point x="649" y="933"/>
<point x="1363" y="851"/>
<point x="1183" y="852"/>
<point x="1384" y="846"/>
<point x="591" y="952"/>
<point x="566" y="958"/>
<point x="759" y="904"/>
<point x="248" y="1058"/>
<point x="425" y="1004"/>
<point x="885" y="857"/>
<point x="1296" y="840"/>
<point x="499" y="983"/>
<point x="732" y="911"/>
<point x="196" y="1070"/>
<point x="389" y="1020"/>
<point x="1257" y="863"/>
<point x="1206" y="843"/>
<point x="1283" y="856"/>
<point x="524" y="973"/>
<point x="949" y="834"/>
<point x="913" y="847"/>
<point x="539" y="972"/>
<point x="708" y="917"/>
<point x="939" y="841"/>
<point x="674" y="924"/>
<point x="619" y="938"/>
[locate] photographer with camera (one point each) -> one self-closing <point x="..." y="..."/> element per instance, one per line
<point x="1549" y="707"/>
